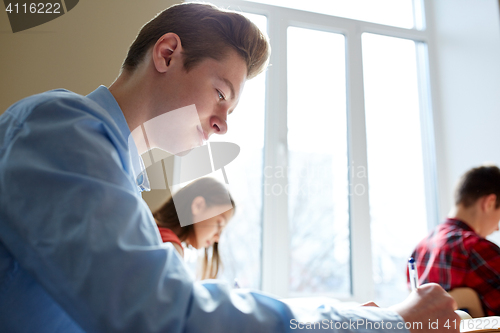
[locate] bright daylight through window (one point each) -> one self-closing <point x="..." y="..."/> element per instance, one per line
<point x="326" y="136"/>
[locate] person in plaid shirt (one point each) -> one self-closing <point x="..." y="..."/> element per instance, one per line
<point x="456" y="253"/>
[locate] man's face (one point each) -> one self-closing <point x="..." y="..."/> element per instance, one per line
<point x="213" y="87"/>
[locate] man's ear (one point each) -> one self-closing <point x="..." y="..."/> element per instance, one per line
<point x="167" y="51"/>
<point x="198" y="205"/>
<point x="489" y="203"/>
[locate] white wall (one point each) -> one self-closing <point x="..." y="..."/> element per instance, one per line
<point x="466" y="89"/>
<point x="79" y="51"/>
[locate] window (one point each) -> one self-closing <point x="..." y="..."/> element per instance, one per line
<point x="346" y="117"/>
<point x="318" y="205"/>
<point x="398" y="13"/>
<point x="395" y="161"/>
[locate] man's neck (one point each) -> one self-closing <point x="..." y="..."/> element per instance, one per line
<point x="131" y="95"/>
<point x="467" y="215"/>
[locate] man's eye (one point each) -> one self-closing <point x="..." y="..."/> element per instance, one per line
<point x="221" y="97"/>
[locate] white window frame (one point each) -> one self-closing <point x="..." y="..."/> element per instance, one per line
<point x="275" y="224"/>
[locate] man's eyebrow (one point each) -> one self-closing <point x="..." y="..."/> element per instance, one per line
<point x="229" y="84"/>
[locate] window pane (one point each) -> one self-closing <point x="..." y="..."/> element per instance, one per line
<point x="241" y="241"/>
<point x="318" y="166"/>
<point x="395" y="165"/>
<point x="398" y="13"/>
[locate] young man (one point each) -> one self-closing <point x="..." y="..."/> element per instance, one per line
<point x="79" y="250"/>
<point x="456" y="253"/>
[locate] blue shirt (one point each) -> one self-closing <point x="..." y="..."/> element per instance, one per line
<point x="79" y="250"/>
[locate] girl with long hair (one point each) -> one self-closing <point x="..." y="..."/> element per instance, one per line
<point x="199" y="201"/>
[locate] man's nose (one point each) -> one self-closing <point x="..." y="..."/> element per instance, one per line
<point x="219" y="125"/>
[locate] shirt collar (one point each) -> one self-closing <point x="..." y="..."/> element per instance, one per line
<point x="107" y="101"/>
<point x="460" y="224"/>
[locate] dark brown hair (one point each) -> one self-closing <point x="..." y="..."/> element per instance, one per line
<point x="476" y="183"/>
<point x="167" y="216"/>
<point x="205" y="31"/>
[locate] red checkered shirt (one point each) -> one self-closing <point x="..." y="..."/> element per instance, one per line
<point x="453" y="255"/>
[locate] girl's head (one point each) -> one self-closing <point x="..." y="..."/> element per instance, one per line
<point x="204" y="200"/>
<point x="212" y="220"/>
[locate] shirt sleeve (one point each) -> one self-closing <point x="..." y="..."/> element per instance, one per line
<point x="74" y="220"/>
<point x="484" y="277"/>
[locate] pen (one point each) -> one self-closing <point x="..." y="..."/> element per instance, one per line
<point x="412" y="269"/>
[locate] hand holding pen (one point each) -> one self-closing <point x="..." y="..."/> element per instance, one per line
<point x="428" y="304"/>
<point x="412" y="268"/>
